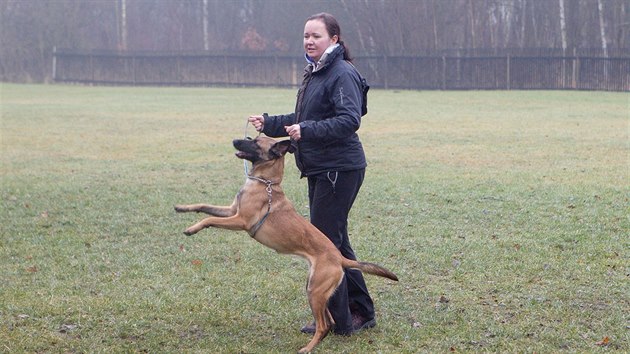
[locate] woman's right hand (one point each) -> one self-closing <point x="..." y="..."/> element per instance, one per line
<point x="257" y="121"/>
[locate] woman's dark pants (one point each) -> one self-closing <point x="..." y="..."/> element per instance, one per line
<point x="331" y="196"/>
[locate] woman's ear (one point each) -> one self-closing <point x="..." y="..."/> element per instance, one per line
<point x="335" y="39"/>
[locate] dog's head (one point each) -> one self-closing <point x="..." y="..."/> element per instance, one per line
<point x="261" y="149"/>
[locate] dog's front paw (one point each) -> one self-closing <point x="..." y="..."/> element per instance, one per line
<point x="180" y="209"/>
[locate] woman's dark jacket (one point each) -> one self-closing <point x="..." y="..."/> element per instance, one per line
<point x="328" y="110"/>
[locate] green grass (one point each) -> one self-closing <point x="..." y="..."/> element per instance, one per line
<point x="504" y="214"/>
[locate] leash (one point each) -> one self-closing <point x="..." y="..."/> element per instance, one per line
<point x="246" y="136"/>
<point x="266" y="182"/>
<point x="269" y="190"/>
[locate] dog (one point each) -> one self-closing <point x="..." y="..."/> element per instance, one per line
<point x="262" y="209"/>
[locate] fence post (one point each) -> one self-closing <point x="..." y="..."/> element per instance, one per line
<point x="443" y="73"/>
<point x="386" y="83"/>
<point x="508" y="73"/>
<point x="576" y="71"/>
<point x="54" y="64"/>
<point x="275" y="69"/>
<point x="91" y="66"/>
<point x="133" y="69"/>
<point x="563" y="70"/>
<point x="179" y="70"/>
<point x="226" y="69"/>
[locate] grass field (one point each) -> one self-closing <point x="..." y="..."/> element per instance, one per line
<point x="504" y="214"/>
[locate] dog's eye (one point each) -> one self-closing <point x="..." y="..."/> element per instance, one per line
<point x="248" y="138"/>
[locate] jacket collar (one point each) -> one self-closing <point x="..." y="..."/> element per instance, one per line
<point x="328" y="57"/>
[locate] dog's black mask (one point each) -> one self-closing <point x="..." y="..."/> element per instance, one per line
<point x="261" y="149"/>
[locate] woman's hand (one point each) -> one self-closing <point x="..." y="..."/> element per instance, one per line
<point x="257" y="121"/>
<point x="294" y="131"/>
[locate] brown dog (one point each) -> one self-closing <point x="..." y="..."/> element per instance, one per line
<point x="261" y="209"/>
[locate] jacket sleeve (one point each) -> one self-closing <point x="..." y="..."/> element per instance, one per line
<point x="346" y="96"/>
<point x="274" y="125"/>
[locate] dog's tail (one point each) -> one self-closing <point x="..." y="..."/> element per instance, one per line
<point x="369" y="268"/>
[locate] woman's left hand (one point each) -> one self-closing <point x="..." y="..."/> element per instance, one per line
<point x="294" y="131"/>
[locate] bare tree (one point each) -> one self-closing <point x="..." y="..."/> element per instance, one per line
<point x="602" y="26"/>
<point x="471" y="19"/>
<point x="206" y="45"/>
<point x="121" y="8"/>
<point x="356" y="24"/>
<point x="123" y="24"/>
<point x="433" y="17"/>
<point x="523" y="19"/>
<point x="563" y="26"/>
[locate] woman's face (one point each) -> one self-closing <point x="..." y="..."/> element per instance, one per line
<point x="317" y="39"/>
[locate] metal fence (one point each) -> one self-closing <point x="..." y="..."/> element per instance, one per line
<point x="451" y="71"/>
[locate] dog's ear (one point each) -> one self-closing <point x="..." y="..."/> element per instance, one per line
<point x="281" y="147"/>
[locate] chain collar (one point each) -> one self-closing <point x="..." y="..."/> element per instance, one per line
<point x="269" y="190"/>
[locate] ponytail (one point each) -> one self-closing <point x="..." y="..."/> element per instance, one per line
<point x="346" y="52"/>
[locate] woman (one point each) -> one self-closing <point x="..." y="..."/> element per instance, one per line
<point x="329" y="153"/>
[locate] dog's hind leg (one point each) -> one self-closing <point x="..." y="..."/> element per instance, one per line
<point x="322" y="283"/>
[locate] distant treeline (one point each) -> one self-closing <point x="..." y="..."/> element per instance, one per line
<point x="31" y="29"/>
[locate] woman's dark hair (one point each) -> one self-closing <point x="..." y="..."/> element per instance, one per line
<point x="332" y="26"/>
